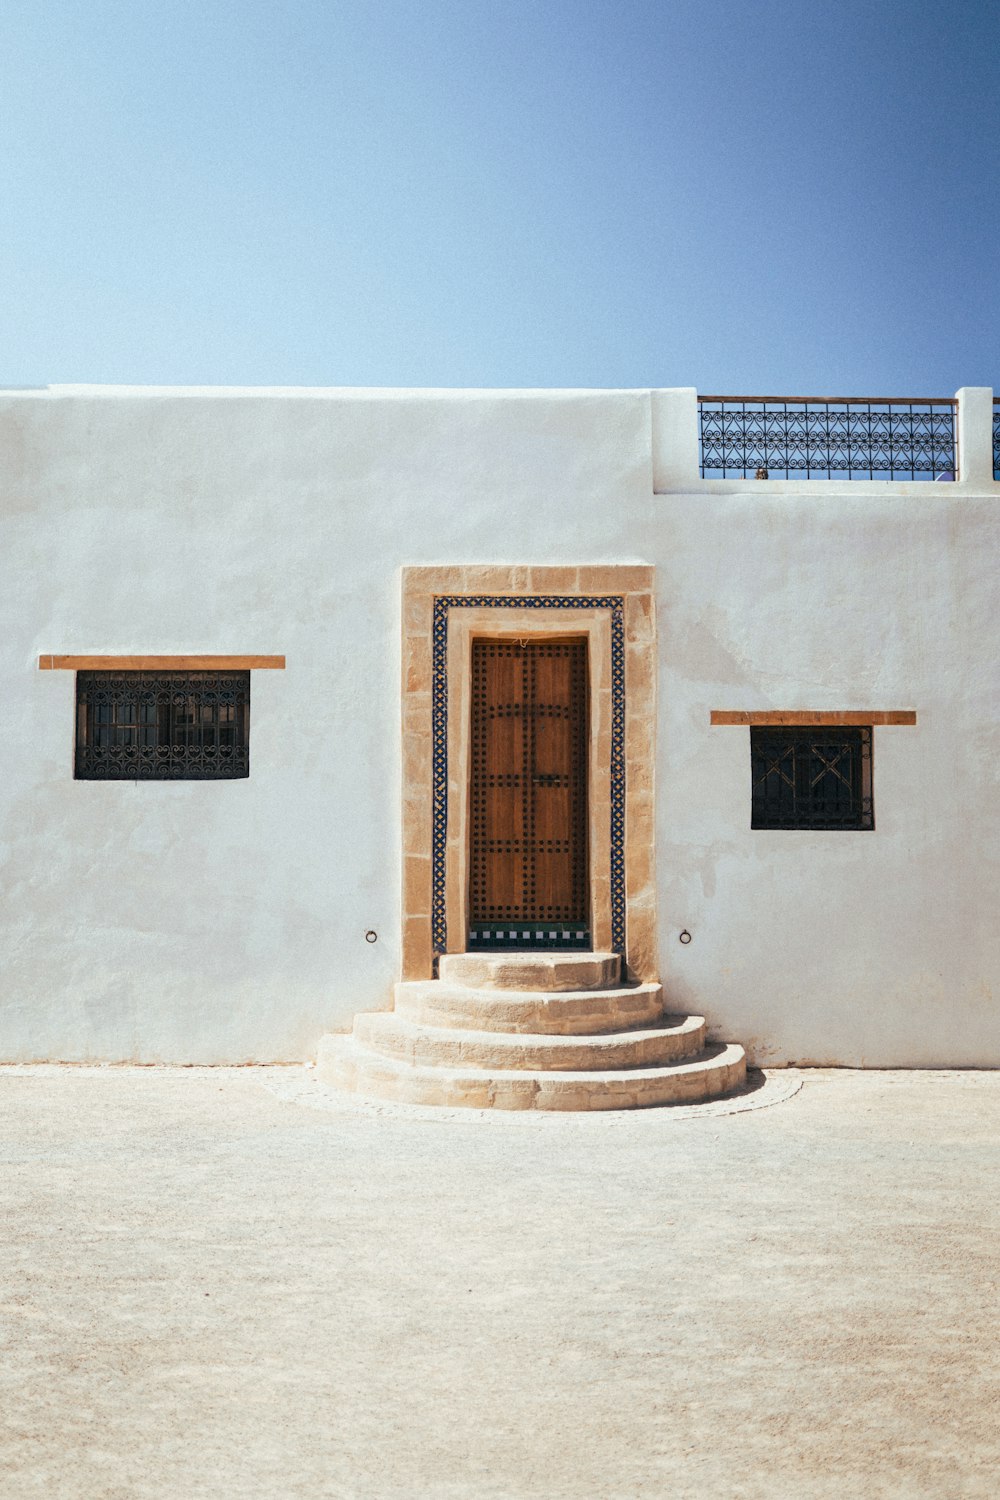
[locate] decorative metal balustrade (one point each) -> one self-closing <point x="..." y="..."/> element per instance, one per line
<point x="996" y="439"/>
<point x="827" y="437"/>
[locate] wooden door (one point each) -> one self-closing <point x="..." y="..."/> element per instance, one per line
<point x="528" y="826"/>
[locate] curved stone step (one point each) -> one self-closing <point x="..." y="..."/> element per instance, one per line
<point x="393" y="1035"/>
<point x="531" y="971"/>
<point x="348" y="1064"/>
<point x="433" y="1002"/>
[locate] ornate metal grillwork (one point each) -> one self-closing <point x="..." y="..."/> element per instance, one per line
<point x="834" y="437"/>
<point x="996" y="439"/>
<point x="164" y="726"/>
<point x="811" y="778"/>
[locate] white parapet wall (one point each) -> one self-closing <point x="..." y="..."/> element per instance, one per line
<point x="227" y="922"/>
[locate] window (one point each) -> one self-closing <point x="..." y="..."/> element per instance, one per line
<point x="811" y="778"/>
<point x="162" y="726"/>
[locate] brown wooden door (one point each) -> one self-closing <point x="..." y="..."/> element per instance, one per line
<point x="528" y="844"/>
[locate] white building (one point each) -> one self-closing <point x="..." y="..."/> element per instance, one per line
<point x="369" y="538"/>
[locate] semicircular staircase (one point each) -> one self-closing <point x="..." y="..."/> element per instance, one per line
<point x="530" y="1031"/>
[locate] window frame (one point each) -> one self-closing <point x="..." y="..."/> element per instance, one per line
<point x="162" y="725"/>
<point x="796" y="806"/>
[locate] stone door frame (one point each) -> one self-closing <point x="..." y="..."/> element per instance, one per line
<point x="444" y="608"/>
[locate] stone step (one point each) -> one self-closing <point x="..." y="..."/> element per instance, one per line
<point x="435" y="1002"/>
<point x="347" y="1063"/>
<point x="392" y="1035"/>
<point x="531" y="971"/>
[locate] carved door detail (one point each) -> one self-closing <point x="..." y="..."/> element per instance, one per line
<point x="528" y="826"/>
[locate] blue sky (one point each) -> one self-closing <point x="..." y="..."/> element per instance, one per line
<point x="748" y="197"/>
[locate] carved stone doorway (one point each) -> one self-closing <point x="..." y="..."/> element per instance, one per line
<point x="445" y="610"/>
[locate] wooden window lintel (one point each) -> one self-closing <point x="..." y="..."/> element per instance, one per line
<point x="159" y="663"/>
<point x="806" y="717"/>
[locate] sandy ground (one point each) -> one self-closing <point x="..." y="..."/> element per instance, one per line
<point x="221" y="1283"/>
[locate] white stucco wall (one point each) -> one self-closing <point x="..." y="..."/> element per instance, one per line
<point x="209" y="922"/>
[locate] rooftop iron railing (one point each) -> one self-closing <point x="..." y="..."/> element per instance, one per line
<point x="829" y="437"/>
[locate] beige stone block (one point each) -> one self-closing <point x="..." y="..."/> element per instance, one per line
<point x="640" y="819"/>
<point x="453" y="897"/>
<point x="616" y="1098"/>
<point x="417" y="829"/>
<point x="610" y="578"/>
<point x="497" y="578"/>
<point x="640" y="677"/>
<point x="417" y="956"/>
<point x="640" y="618"/>
<point x="640" y="869"/>
<point x="604" y="741"/>
<point x="639" y="738"/>
<point x="416" y="885"/>
<point x="639" y="774"/>
<point x="640" y="943"/>
<point x="507" y="1097"/>
<point x="600" y="827"/>
<point x="687" y="1088"/>
<point x="641" y="579"/>
<point x="549" y="1097"/>
<point x="640" y="730"/>
<point x="417" y="664"/>
<point x="553" y="580"/>
<point x="416" y="760"/>
<point x="395" y="1071"/>
<point x="599" y="653"/>
<point x="599" y="661"/>
<point x="600" y="842"/>
<point x="440" y="1003"/>
<point x="602" y="925"/>
<point x="393" y="1035"/>
<point x="417" y="712"/>
<point x="418" y="613"/>
<point x="531" y="971"/>
<point x="439" y="579"/>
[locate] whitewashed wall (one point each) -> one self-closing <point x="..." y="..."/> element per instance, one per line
<point x="208" y="922"/>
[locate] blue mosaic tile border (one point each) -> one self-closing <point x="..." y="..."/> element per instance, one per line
<point x="439" y="725"/>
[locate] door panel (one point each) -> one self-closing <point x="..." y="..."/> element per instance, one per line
<point x="528" y="828"/>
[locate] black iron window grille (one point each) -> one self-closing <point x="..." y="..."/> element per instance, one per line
<point x="162" y="726"/>
<point x="817" y="778"/>
<point x="804" y="437"/>
<point x="996" y="439"/>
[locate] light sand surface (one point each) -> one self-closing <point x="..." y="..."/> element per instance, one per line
<point x="231" y="1282"/>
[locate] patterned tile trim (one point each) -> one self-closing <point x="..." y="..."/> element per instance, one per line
<point x="615" y="603"/>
